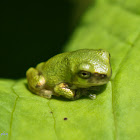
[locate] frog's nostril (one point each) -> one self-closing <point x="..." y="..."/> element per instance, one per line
<point x="103" y="76"/>
<point x="100" y="76"/>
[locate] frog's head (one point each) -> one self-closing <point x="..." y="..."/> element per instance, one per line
<point x="92" y="69"/>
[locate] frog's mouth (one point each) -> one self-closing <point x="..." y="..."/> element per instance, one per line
<point x="95" y="82"/>
<point x="88" y="85"/>
<point x="98" y="83"/>
<point x="98" y="79"/>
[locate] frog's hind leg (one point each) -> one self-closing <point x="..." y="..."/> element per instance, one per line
<point x="36" y="83"/>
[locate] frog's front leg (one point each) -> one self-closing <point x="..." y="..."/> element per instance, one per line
<point x="36" y="83"/>
<point x="64" y="90"/>
<point x="93" y="88"/>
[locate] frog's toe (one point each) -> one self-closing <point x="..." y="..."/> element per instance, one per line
<point x="46" y="93"/>
<point x="92" y="96"/>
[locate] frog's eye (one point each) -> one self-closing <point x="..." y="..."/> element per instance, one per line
<point x="84" y="74"/>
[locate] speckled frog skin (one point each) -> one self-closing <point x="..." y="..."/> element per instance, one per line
<point x="70" y="74"/>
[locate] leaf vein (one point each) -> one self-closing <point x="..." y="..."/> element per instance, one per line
<point x="12" y="113"/>
<point x="127" y="9"/>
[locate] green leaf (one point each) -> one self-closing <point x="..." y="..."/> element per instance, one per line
<point x="112" y="25"/>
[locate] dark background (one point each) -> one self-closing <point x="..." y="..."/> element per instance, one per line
<point x="32" y="32"/>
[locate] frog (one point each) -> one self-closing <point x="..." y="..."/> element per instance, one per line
<point x="71" y="74"/>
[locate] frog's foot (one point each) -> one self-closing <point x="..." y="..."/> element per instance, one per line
<point x="45" y="93"/>
<point x="92" y="96"/>
<point x="64" y="90"/>
<point x="36" y="83"/>
<point x="77" y="94"/>
<point x="35" y="79"/>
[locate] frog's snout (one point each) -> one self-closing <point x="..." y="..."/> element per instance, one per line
<point x="100" y="76"/>
<point x="98" y="79"/>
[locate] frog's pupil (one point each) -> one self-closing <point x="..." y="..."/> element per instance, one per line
<point x="84" y="73"/>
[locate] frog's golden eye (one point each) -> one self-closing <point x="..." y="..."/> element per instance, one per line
<point x="84" y="74"/>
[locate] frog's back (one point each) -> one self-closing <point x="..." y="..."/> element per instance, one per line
<point x="84" y="54"/>
<point x="56" y="70"/>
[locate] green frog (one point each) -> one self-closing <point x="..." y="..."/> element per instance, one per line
<point x="71" y="74"/>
